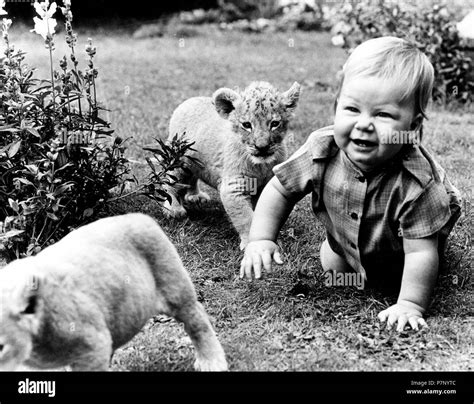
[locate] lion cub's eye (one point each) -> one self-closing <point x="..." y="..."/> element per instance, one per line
<point x="274" y="124"/>
<point x="246" y="125"/>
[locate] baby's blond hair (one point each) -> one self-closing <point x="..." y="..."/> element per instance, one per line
<point x="394" y="59"/>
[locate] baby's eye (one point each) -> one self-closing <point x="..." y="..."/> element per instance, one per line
<point x="274" y="124"/>
<point x="384" y="115"/>
<point x="351" y="109"/>
<point x="246" y="125"/>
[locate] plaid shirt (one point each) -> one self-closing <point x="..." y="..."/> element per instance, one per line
<point x="368" y="215"/>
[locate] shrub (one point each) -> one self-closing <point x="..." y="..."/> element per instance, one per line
<point x="304" y="16"/>
<point x="59" y="159"/>
<point x="167" y="157"/>
<point x="60" y="163"/>
<point x="234" y="10"/>
<point x="432" y="29"/>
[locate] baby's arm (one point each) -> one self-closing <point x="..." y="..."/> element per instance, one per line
<point x="271" y="212"/>
<point x="419" y="277"/>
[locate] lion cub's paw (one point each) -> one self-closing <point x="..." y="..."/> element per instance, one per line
<point x="201" y="199"/>
<point x="217" y="364"/>
<point x="174" y="211"/>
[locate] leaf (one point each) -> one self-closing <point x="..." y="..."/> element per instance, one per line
<point x="24" y="181"/>
<point x="63" y="188"/>
<point x="10" y="129"/>
<point x="14" y="205"/>
<point x="10" y="234"/>
<point x="163" y="195"/>
<point x="150" y="164"/>
<point x="88" y="212"/>
<point x="52" y="216"/>
<point x="34" y="132"/>
<point x="13" y="149"/>
<point x="151" y="149"/>
<point x="32" y="168"/>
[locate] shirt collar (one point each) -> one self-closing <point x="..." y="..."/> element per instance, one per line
<point x="322" y="143"/>
<point x="419" y="164"/>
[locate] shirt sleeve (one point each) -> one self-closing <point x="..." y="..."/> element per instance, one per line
<point x="296" y="173"/>
<point x="427" y="213"/>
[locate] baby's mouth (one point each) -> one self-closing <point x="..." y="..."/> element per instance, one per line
<point x="364" y="143"/>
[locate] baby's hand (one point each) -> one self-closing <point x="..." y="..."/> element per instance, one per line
<point x="402" y="313"/>
<point x="259" y="254"/>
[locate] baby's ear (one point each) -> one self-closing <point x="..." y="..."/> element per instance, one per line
<point x="416" y="122"/>
<point x="290" y="98"/>
<point x="225" y="101"/>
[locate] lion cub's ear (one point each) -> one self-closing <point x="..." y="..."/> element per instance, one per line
<point x="225" y="101"/>
<point x="290" y="98"/>
<point x="27" y="297"/>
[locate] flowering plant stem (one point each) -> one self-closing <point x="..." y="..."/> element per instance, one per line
<point x="52" y="76"/>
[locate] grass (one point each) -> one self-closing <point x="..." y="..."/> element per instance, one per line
<point x="290" y="320"/>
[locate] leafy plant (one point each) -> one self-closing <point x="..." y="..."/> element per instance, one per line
<point x="60" y="163"/>
<point x="59" y="160"/>
<point x="432" y="29"/>
<point x="166" y="159"/>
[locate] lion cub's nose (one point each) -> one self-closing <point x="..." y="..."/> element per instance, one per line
<point x="262" y="150"/>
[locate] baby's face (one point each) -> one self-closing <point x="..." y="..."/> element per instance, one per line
<point x="371" y="120"/>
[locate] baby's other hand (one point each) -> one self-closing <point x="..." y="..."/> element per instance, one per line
<point x="259" y="254"/>
<point x="402" y="313"/>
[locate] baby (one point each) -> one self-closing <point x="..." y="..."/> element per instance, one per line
<point x="387" y="206"/>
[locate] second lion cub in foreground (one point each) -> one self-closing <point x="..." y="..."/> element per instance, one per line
<point x="80" y="299"/>
<point x="238" y="139"/>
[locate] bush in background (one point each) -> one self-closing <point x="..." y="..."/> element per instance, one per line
<point x="259" y="16"/>
<point x="60" y="163"/>
<point x="432" y="29"/>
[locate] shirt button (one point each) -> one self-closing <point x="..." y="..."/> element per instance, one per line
<point x="354" y="215"/>
<point x="361" y="178"/>
<point x="353" y="246"/>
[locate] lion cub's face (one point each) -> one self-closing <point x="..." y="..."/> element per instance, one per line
<point x="20" y="306"/>
<point x="259" y="116"/>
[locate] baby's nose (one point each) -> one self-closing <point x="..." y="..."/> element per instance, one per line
<point x="364" y="123"/>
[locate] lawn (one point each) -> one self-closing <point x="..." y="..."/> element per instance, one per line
<point x="289" y="320"/>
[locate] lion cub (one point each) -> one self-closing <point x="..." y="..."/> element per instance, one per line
<point x="88" y="294"/>
<point x="238" y="139"/>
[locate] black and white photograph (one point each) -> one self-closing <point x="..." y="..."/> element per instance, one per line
<point x="265" y="194"/>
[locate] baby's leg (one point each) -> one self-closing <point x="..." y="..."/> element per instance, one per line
<point x="331" y="261"/>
